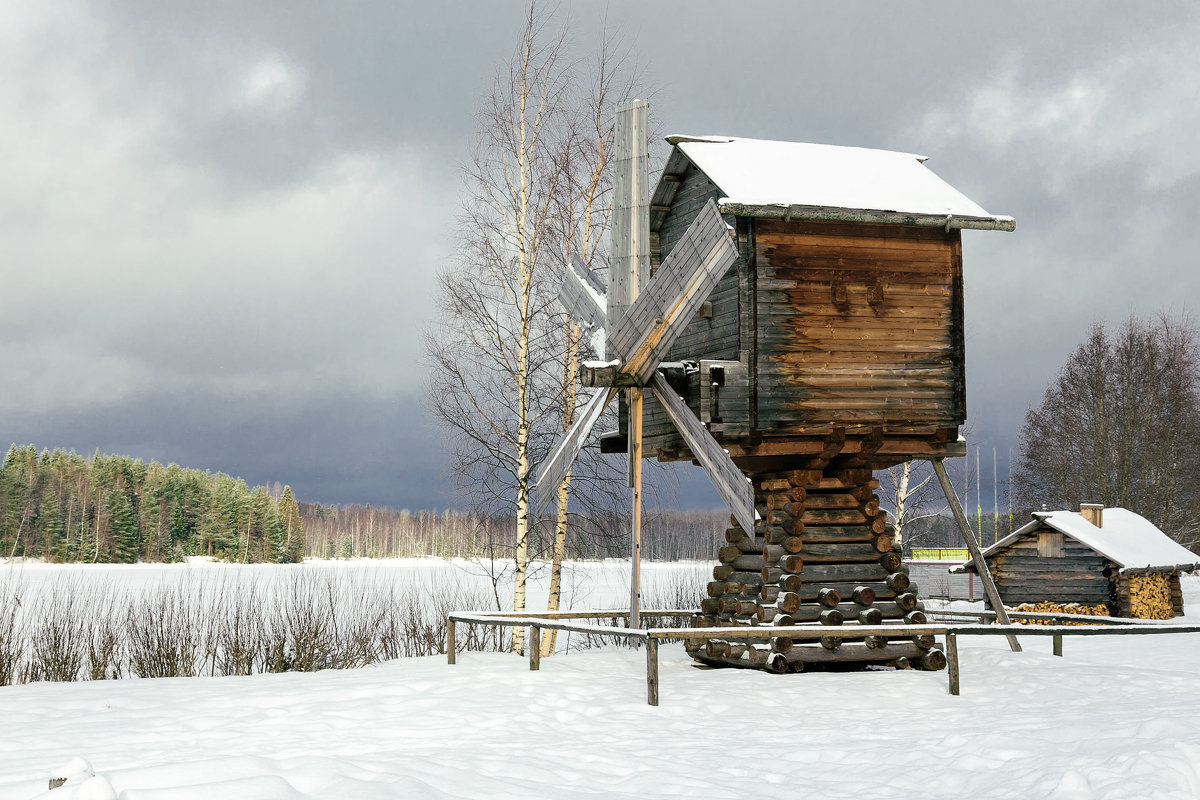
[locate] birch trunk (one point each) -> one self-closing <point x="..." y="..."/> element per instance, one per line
<point x="570" y="393"/>
<point x="902" y="502"/>
<point x="525" y="270"/>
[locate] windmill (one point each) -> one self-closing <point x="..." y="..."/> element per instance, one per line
<point x="641" y="318"/>
<point x="829" y="344"/>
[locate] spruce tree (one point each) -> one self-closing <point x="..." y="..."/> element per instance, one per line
<point x="293" y="528"/>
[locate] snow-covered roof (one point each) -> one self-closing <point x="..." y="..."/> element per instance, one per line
<point x="1128" y="539"/>
<point x="757" y="173"/>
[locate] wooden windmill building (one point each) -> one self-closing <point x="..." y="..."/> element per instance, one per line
<point x="827" y="343"/>
<point x="1099" y="556"/>
<point x="838" y="334"/>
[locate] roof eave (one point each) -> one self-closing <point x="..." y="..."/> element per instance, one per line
<point x="866" y="215"/>
<point x="1000" y="545"/>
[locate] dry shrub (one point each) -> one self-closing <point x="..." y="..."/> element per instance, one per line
<point x="234" y="622"/>
<point x="165" y="632"/>
<point x="236" y="633"/>
<point x="12" y="639"/>
<point x="59" y="639"/>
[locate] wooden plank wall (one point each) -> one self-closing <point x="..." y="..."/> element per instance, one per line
<point x="1077" y="576"/>
<point x="858" y="325"/>
<point x="716" y="337"/>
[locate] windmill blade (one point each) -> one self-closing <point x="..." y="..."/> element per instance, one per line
<point x="582" y="294"/>
<point x="554" y="469"/>
<point x="731" y="484"/>
<point x="673" y="296"/>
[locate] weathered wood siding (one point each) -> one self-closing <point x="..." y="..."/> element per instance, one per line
<point x="858" y="325"/>
<point x="717" y="336"/>
<point x="1024" y="575"/>
<point x="714" y="337"/>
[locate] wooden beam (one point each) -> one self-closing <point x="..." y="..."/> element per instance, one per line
<point x="799" y="212"/>
<point x="730" y="483"/>
<point x="535" y="647"/>
<point x="981" y="565"/>
<point x="652" y="671"/>
<point x="635" y="482"/>
<point x="630" y="234"/>
<point x="952" y="662"/>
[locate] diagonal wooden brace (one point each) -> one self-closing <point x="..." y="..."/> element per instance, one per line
<point x="985" y="574"/>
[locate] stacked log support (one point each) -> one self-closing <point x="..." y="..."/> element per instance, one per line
<point x="821" y="554"/>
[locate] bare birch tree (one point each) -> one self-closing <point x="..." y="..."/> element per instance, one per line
<point x="493" y="350"/>
<point x="1120" y="425"/>
<point x="583" y="225"/>
<point x="909" y="494"/>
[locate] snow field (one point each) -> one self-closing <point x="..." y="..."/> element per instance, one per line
<point x="157" y="621"/>
<point x="1114" y="718"/>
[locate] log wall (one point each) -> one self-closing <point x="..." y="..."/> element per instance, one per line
<point x="1027" y="571"/>
<point x="858" y="325"/>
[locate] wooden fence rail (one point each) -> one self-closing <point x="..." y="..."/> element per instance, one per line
<point x="561" y="620"/>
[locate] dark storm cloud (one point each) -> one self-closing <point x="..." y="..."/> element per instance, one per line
<point x="330" y="447"/>
<point x="221" y="221"/>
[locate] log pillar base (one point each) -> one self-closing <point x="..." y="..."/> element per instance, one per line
<point x="821" y="553"/>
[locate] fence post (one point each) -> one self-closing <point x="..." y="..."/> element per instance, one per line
<point x="952" y="662"/>
<point x="535" y="647"/>
<point x="1058" y="644"/>
<point x="652" y="671"/>
<point x="450" y="641"/>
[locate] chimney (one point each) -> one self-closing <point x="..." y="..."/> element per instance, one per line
<point x="1093" y="513"/>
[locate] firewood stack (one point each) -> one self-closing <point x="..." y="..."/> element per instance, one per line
<point x="821" y="553"/>
<point x="1150" y="596"/>
<point x="1046" y="607"/>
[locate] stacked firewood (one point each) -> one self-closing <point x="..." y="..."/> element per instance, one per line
<point x="821" y="554"/>
<point x="1150" y="596"/>
<point x="1100" y="610"/>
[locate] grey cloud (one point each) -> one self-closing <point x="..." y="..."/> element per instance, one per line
<point x="222" y="220"/>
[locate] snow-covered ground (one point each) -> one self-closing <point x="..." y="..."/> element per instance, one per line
<point x="1116" y="717"/>
<point x="586" y="584"/>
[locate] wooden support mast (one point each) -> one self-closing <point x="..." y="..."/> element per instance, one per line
<point x="985" y="574"/>
<point x="628" y="272"/>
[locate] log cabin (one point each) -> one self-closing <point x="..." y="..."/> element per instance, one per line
<point x="1097" y="556"/>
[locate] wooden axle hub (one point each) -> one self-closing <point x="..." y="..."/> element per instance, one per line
<point x="606" y="373"/>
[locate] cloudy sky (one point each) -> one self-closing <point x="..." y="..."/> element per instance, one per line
<point x="220" y="221"/>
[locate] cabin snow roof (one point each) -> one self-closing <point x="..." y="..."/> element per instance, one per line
<point x="796" y="180"/>
<point x="1128" y="539"/>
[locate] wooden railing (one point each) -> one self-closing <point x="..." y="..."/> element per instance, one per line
<point x="562" y="621"/>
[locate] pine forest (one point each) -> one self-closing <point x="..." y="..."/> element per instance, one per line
<point x="62" y="507"/>
<point x="59" y="506"/>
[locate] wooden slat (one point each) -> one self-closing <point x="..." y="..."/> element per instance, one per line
<point x="730" y="483"/>
<point x="554" y="469"/>
<point x="582" y="295"/>
<point x="670" y="300"/>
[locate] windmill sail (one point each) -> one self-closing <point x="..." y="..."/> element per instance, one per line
<point x="582" y="295"/>
<point x="672" y="297"/>
<point x="731" y="484"/>
<point x="554" y="469"/>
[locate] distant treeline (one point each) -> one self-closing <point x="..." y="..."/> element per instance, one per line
<point x="375" y="532"/>
<point x="60" y="506"/>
